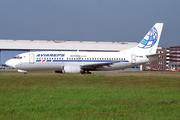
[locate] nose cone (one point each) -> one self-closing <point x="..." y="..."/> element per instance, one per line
<point x="10" y="63"/>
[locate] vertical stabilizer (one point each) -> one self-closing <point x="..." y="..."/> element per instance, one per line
<point x="149" y="43"/>
<point x="151" y="40"/>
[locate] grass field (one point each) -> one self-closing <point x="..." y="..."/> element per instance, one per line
<point x="89" y="97"/>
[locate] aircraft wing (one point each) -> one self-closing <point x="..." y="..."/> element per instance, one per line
<point x="97" y="65"/>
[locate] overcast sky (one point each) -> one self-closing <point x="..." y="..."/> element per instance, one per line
<point x="89" y="20"/>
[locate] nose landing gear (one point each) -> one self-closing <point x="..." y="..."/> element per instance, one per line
<point x="22" y="71"/>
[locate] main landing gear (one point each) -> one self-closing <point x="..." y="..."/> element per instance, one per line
<point x="84" y="72"/>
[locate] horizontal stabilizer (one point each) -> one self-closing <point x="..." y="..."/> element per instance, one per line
<point x="154" y="55"/>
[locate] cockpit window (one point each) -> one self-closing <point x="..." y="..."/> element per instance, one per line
<point x="17" y="57"/>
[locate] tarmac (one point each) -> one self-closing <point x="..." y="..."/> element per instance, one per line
<point x="109" y="73"/>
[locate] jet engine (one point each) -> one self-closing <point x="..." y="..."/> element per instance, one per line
<point x="72" y="69"/>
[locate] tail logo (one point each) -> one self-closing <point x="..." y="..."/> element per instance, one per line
<point x="150" y="39"/>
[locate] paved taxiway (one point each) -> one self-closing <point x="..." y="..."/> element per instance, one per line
<point x="109" y="73"/>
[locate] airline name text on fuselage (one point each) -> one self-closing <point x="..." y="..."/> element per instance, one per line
<point x="77" y="55"/>
<point x="50" y="55"/>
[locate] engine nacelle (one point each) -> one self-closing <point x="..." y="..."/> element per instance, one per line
<point x="72" y="69"/>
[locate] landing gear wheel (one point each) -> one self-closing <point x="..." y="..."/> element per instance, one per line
<point x="88" y="72"/>
<point x="83" y="72"/>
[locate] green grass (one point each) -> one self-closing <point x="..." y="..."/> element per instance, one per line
<point x="89" y="97"/>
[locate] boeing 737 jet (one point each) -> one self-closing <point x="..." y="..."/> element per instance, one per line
<point x="84" y="62"/>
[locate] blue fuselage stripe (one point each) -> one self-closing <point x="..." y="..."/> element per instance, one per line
<point x="84" y="61"/>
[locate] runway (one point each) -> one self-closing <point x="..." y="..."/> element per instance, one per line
<point x="109" y="73"/>
<point x="139" y="73"/>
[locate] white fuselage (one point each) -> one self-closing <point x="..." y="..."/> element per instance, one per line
<point x="54" y="60"/>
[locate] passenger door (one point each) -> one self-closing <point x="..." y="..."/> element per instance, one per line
<point x="31" y="58"/>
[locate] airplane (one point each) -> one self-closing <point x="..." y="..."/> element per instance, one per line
<point x="84" y="62"/>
